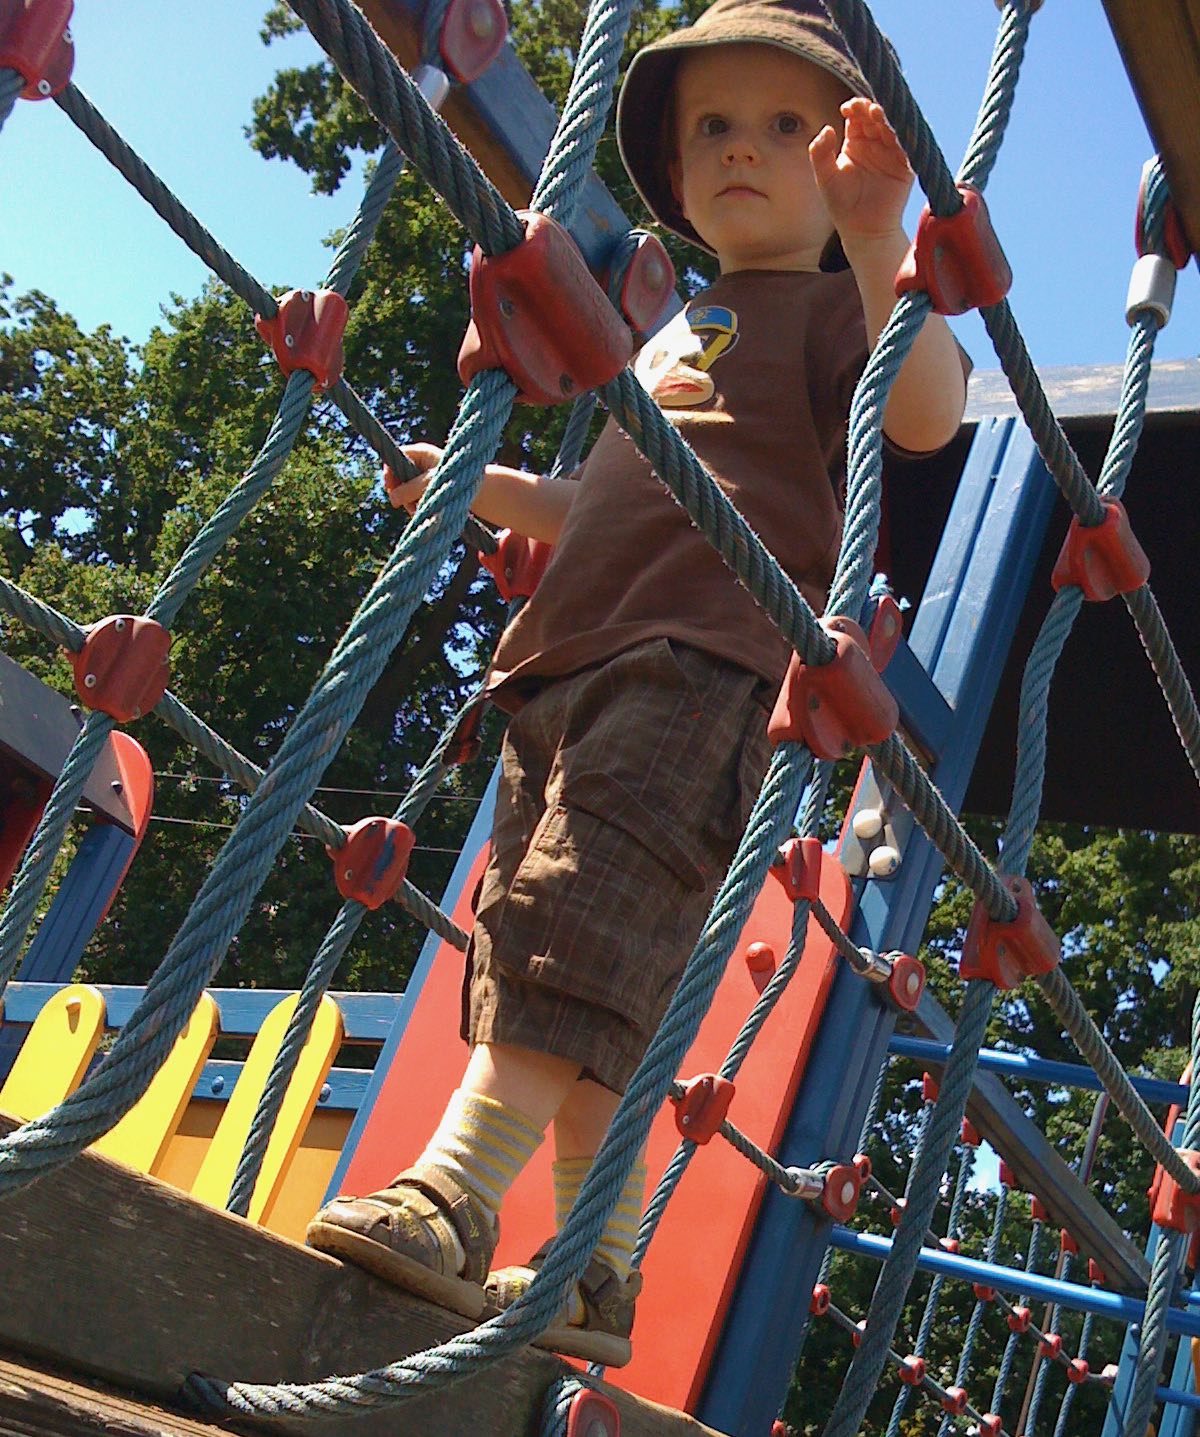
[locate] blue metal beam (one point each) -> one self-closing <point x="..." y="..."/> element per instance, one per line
<point x="1016" y="1280"/>
<point x="961" y="636"/>
<point x="1036" y="1070"/>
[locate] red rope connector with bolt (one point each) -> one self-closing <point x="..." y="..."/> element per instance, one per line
<point x="517" y="565"/>
<point x="957" y="259"/>
<point x="955" y="1401"/>
<point x="836" y="707"/>
<point x="648" y="282"/>
<point x="818" y="1304"/>
<point x="797" y="866"/>
<point x="537" y="313"/>
<point x="1019" y="1319"/>
<point x="839" y="1197"/>
<point x="1174" y="1208"/>
<point x="35" y="42"/>
<point x="1007" y="953"/>
<point x="760" y="964"/>
<point x="306" y="333"/>
<point x="703" y="1107"/>
<point x="592" y="1414"/>
<point x="371" y="865"/>
<point x="122" y="669"/>
<point x="912" y="1371"/>
<point x="1103" y="560"/>
<point x="472" y="35"/>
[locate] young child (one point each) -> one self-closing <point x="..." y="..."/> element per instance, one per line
<point x="640" y="675"/>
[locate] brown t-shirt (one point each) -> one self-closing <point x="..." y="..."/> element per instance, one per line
<point x="758" y="378"/>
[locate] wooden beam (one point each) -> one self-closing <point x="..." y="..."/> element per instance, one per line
<point x="113" y="1274"/>
<point x="1160" y="44"/>
<point x="1088" y="394"/>
<point x="35" y="1402"/>
<point x="1038" y="1167"/>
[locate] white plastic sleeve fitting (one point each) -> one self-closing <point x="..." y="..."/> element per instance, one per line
<point x="433" y="83"/>
<point x="1151" y="288"/>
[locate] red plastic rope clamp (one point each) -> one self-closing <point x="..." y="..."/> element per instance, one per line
<point x="1007" y="1176"/>
<point x="912" y="1370"/>
<point x="1078" y="1370"/>
<point x="955" y="1401"/>
<point x="1103" y="560"/>
<point x="885" y="632"/>
<point x="537" y="313"/>
<point x="839" y="1196"/>
<point x="35" y="42"/>
<point x="1019" y="1319"/>
<point x="703" y="1107"/>
<point x="856" y="1336"/>
<point x="957" y="260"/>
<point x="306" y="333"/>
<point x="1095" y="1272"/>
<point x="472" y="35"/>
<point x="970" y="1134"/>
<point x="1173" y="1207"/>
<point x="950" y="1245"/>
<point x="1037" y="1210"/>
<point x="990" y="1425"/>
<point x="1175" y="241"/>
<point x="1007" y="953"/>
<point x="1066" y="1243"/>
<point x="517" y="565"/>
<point x="797" y="866"/>
<point x="1108" y="1374"/>
<point x="836" y="707"/>
<point x="1050" y="1345"/>
<point x="983" y="1293"/>
<point x="906" y="982"/>
<point x="819" y="1302"/>
<point x="929" y="1088"/>
<point x="896" y="1211"/>
<point x="122" y="669"/>
<point x="863" y="1163"/>
<point x="592" y="1414"/>
<point x="371" y="865"/>
<point x="648" y="282"/>
<point x="760" y="964"/>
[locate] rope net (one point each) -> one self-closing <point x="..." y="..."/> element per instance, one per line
<point x="796" y="781"/>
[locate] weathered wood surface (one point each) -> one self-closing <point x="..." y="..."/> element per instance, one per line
<point x="113" y="1274"/>
<point x="35" y="1402"/>
<point x="1160" y="44"/>
<point x="1082" y="392"/>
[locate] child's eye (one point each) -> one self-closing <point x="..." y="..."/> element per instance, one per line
<point x="789" y="124"/>
<point x="712" y="125"/>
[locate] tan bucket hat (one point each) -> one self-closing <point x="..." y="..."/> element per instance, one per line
<point x="801" y="26"/>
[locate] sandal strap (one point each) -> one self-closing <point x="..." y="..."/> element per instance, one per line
<point x="470" y="1220"/>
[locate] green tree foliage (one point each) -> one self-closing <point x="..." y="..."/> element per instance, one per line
<point x="110" y="459"/>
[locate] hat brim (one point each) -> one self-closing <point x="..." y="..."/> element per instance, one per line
<point x="642" y="105"/>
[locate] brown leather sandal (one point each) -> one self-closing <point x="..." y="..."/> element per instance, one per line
<point x="607" y="1303"/>
<point x="403" y="1234"/>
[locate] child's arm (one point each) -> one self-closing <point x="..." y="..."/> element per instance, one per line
<point x="865" y="183"/>
<point x="530" y="504"/>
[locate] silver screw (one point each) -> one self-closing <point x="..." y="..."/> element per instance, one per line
<point x="89" y="681"/>
<point x="43" y="87"/>
<point x="119" y="625"/>
<point x="290" y="340"/>
<point x="482" y="23"/>
<point x="347" y="874"/>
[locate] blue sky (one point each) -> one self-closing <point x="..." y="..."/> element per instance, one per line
<point x="178" y="82"/>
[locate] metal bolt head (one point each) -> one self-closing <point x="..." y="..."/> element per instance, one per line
<point x="89" y="681"/>
<point x="847" y="1194"/>
<point x="347" y="874"/>
<point x="117" y="786"/>
<point x="43" y="87"/>
<point x="507" y="308"/>
<point x="290" y="341"/>
<point x="912" y="982"/>
<point x="218" y="1084"/>
<point x="68" y="38"/>
<point x="306" y="294"/>
<point x="119" y="625"/>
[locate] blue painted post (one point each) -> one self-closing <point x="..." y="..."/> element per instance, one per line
<point x="1178" y="1420"/>
<point x="961" y="635"/>
<point x="479" y="834"/>
<point x="88" y="888"/>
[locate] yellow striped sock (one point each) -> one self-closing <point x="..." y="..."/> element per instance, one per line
<point x="620" y="1233"/>
<point x="483" y="1145"/>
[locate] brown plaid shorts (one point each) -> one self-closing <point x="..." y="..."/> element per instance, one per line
<point x="623" y="793"/>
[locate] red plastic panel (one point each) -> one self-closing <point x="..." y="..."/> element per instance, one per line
<point x="688" y="1283"/>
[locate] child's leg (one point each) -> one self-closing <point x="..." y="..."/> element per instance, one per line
<point x="579" y="1129"/>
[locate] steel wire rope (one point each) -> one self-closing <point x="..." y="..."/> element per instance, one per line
<point x="1007" y="1358"/>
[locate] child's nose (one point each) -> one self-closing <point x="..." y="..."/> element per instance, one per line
<point x="740" y="148"/>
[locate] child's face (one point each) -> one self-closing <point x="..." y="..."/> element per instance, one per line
<point x="745" y="116"/>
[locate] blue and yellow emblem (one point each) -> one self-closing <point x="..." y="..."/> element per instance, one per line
<point x="674" y="365"/>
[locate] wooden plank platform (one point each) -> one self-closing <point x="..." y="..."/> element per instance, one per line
<point x="1160" y="44"/>
<point x="36" y="1402"/>
<point x="117" y="1276"/>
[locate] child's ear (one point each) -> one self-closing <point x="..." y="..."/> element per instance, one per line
<point x="675" y="179"/>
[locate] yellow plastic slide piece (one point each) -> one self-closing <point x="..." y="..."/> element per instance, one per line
<point x="56" y="1052"/>
<point x="140" y="1139"/>
<point x="217" y="1171"/>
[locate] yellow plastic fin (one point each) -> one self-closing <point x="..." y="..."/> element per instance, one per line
<point x="56" y="1052"/>
<point x="140" y="1139"/>
<point x="217" y="1171"/>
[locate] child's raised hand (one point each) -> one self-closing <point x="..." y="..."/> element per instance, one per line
<point x="866" y="180"/>
<point x="425" y="458"/>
